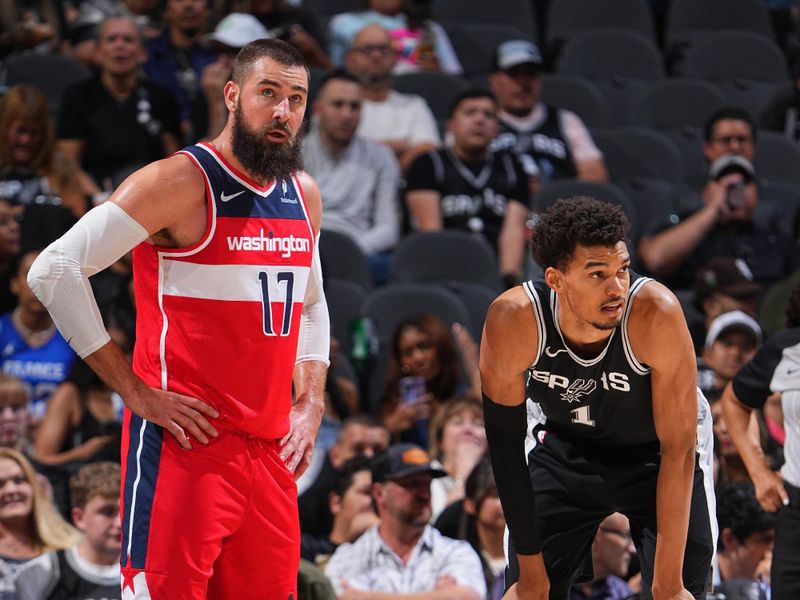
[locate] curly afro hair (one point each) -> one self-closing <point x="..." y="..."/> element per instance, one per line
<point x="579" y="220"/>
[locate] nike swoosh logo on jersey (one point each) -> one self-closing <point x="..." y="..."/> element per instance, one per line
<point x="551" y="353"/>
<point x="229" y="197"/>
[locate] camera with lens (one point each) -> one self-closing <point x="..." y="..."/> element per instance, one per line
<point x="735" y="193"/>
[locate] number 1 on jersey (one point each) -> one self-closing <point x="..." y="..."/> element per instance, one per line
<point x="286" y="277"/>
<point x="581" y="416"/>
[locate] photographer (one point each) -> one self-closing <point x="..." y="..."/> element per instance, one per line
<point x="723" y="224"/>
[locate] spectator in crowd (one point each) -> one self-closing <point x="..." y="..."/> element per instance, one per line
<point x="89" y="569"/>
<point x="482" y="506"/>
<point x="423" y="347"/>
<point x="294" y="24"/>
<point x="729" y="130"/>
<point x="31" y="348"/>
<point x="358" y="179"/>
<point x="176" y="59"/>
<point x="360" y="434"/>
<point x="722" y="284"/>
<point x="350" y="503"/>
<point x="37" y="25"/>
<point x="552" y="143"/>
<point x="116" y="122"/>
<point x="732" y="340"/>
<point x="10" y="244"/>
<point x="341" y="400"/>
<point x="457" y="444"/>
<point x="230" y="35"/>
<point x="403" y="554"/>
<point x="33" y="174"/>
<point x="612" y="550"/>
<point x="14" y="415"/>
<point x="746" y="535"/>
<point x="478" y="518"/>
<point x="82" y="422"/>
<point x="89" y="15"/>
<point x="773" y="369"/>
<point x="404" y="122"/>
<point x="467" y="187"/>
<point x="723" y="226"/>
<point x="30" y="525"/>
<point x="728" y="463"/>
<point x="419" y="43"/>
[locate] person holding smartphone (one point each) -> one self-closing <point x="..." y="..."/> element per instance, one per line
<point x="723" y="222"/>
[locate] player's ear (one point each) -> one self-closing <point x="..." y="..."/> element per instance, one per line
<point x="231" y="95"/>
<point x="554" y="279"/>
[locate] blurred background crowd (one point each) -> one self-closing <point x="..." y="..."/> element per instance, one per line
<point x="437" y="131"/>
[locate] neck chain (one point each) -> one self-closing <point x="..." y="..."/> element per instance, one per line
<point x="32" y="336"/>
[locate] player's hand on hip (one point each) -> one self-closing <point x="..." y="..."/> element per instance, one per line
<point x="182" y="416"/>
<point x="770" y="491"/>
<point x="683" y="594"/>
<point x="297" y="445"/>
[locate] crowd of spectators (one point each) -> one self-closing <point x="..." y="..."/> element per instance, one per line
<point x="400" y="497"/>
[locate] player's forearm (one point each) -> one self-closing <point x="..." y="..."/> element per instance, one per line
<point x="309" y="384"/>
<point x="737" y="419"/>
<point x="673" y="499"/>
<point x="111" y="366"/>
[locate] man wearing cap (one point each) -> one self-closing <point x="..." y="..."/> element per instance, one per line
<point x="403" y="554"/>
<point x="724" y="224"/>
<point x="552" y="143"/>
<point x="731" y="342"/>
<point x="722" y="284"/>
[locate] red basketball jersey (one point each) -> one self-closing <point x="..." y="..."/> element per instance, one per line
<point x="219" y="320"/>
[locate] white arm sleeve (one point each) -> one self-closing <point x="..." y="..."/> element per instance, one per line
<point x="314" y="341"/>
<point x="60" y="275"/>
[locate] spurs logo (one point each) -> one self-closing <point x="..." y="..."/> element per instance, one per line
<point x="578" y="388"/>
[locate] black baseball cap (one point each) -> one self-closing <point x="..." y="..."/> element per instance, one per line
<point x="402" y="460"/>
<point x="726" y="275"/>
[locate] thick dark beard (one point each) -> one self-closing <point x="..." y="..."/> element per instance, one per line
<point x="264" y="160"/>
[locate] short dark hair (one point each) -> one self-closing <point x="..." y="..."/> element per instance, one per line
<point x="793" y="310"/>
<point x="347" y="472"/>
<point x="277" y="50"/>
<point x="337" y="75"/>
<point x="729" y="113"/>
<point x="739" y="510"/>
<point x="469" y="94"/>
<point x="570" y="222"/>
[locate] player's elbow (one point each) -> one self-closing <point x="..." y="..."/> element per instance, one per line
<point x="45" y="273"/>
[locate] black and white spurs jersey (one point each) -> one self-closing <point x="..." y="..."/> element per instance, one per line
<point x="604" y="400"/>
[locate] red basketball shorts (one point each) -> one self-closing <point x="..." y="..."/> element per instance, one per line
<point x="218" y="521"/>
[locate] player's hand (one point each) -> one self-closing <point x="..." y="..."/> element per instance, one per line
<point x="297" y="446"/>
<point x="770" y="491"/>
<point x="181" y="415"/>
